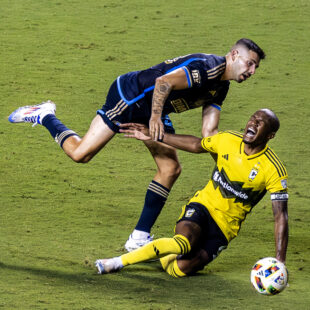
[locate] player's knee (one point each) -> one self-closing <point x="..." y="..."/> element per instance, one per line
<point x="194" y="264"/>
<point x="201" y="261"/>
<point x="80" y="158"/>
<point x="171" y="171"/>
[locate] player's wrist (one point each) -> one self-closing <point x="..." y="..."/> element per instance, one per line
<point x="161" y="139"/>
<point x="155" y="117"/>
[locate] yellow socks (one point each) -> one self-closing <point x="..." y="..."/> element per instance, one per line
<point x="166" y="260"/>
<point x="170" y="265"/>
<point x="156" y="249"/>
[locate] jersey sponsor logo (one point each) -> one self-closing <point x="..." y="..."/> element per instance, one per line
<point x="234" y="189"/>
<point x="189" y="212"/>
<point x="179" y="105"/>
<point x="227" y="186"/>
<point x="196" y="76"/>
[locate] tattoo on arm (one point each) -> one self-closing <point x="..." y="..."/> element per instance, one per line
<point x="161" y="92"/>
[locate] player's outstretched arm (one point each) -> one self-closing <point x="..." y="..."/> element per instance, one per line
<point x="279" y="209"/>
<point x="163" y="86"/>
<point x="187" y="143"/>
<point x="135" y="130"/>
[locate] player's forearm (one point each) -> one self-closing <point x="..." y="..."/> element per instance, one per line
<point x="210" y="121"/>
<point x="281" y="234"/>
<point x="281" y="238"/>
<point x="161" y="92"/>
<point x="184" y="142"/>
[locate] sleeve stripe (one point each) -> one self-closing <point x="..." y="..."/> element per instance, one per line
<point x="217" y="68"/>
<point x="277" y="159"/>
<point x="280" y="170"/>
<point x="235" y="133"/>
<point x="203" y="144"/>
<point x="215" y="74"/>
<point x="216" y="106"/>
<point x="189" y="81"/>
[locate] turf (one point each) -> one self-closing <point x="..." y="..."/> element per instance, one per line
<point x="57" y="217"/>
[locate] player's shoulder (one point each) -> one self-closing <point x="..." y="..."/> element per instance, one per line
<point x="273" y="160"/>
<point x="233" y="135"/>
<point x="228" y="136"/>
<point x="209" y="60"/>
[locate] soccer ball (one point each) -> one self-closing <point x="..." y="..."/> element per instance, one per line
<point x="269" y="276"/>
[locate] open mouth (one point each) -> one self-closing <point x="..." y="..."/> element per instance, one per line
<point x="245" y="76"/>
<point x="250" y="132"/>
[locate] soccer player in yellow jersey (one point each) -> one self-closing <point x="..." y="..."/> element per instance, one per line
<point x="245" y="169"/>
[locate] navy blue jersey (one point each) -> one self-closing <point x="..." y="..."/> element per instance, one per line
<point x="203" y="74"/>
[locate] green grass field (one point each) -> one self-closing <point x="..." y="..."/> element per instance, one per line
<point x="57" y="217"/>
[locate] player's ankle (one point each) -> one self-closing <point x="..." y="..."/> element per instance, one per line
<point x="139" y="234"/>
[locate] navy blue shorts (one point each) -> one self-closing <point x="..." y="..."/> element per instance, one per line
<point x="116" y="111"/>
<point x="212" y="239"/>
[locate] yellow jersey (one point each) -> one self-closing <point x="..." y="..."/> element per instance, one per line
<point x="239" y="181"/>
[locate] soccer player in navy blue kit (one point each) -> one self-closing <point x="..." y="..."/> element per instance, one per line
<point x="147" y="97"/>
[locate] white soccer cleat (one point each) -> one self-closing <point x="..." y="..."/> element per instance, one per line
<point x="133" y="244"/>
<point x="33" y="113"/>
<point x="106" y="265"/>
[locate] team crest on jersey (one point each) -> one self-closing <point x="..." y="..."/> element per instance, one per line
<point x="189" y="212"/>
<point x="253" y="174"/>
<point x="284" y="183"/>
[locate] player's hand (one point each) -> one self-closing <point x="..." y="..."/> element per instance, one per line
<point x="135" y="130"/>
<point x="156" y="129"/>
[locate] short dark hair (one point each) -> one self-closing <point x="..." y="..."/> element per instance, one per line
<point x="252" y="46"/>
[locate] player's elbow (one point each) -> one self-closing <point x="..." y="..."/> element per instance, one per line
<point x="164" y="84"/>
<point x="197" y="148"/>
<point x="208" y="132"/>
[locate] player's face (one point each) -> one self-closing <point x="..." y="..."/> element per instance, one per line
<point x="257" y="130"/>
<point x="245" y="63"/>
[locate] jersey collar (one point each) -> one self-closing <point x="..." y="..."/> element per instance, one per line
<point x="249" y="157"/>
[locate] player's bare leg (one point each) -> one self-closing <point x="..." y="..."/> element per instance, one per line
<point x="190" y="263"/>
<point x="184" y="265"/>
<point x="168" y="170"/>
<point x="82" y="150"/>
<point x="79" y="149"/>
<point x="167" y="161"/>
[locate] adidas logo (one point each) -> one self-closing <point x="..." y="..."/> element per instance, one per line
<point x="156" y="250"/>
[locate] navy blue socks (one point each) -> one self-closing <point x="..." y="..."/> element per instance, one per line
<point x="155" y="199"/>
<point x="57" y="129"/>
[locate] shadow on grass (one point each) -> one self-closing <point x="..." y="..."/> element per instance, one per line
<point x="146" y="281"/>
